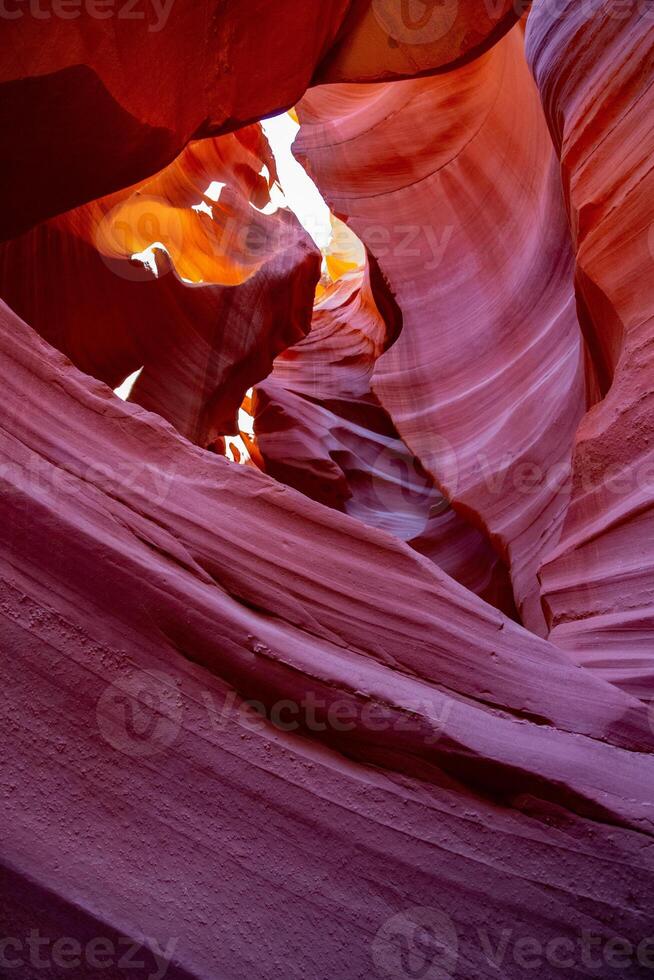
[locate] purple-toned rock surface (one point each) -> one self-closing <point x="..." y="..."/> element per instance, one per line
<point x="372" y="704"/>
<point x="447" y="758"/>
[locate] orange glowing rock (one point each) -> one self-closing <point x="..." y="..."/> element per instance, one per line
<point x="249" y="274"/>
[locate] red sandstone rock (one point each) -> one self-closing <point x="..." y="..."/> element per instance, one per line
<point x="94" y="104"/>
<point x="201" y="343"/>
<point x="168" y="569"/>
<point x="594" y="73"/>
<point x="319" y="428"/>
<point x="107" y="93"/>
<point x="419" y="748"/>
<point x="466" y="219"/>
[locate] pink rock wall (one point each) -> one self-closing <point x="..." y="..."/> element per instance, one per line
<point x="466" y="219"/>
<point x="173" y="579"/>
<point x="373" y="704"/>
<point x="598" y="587"/>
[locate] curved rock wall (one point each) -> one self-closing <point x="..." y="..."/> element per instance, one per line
<point x="593" y="66"/>
<point x="250" y="731"/>
<point x="466" y="219"/>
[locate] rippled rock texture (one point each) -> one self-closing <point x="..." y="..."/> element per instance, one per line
<point x="374" y="702"/>
<point x="598" y="588"/>
<point x="485" y="384"/>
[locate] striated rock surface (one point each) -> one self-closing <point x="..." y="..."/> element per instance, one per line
<point x="224" y="282"/>
<point x="319" y="428"/>
<point x="172" y="575"/>
<point x="598" y="587"/>
<point x="466" y="219"/>
<point x="344" y="711"/>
